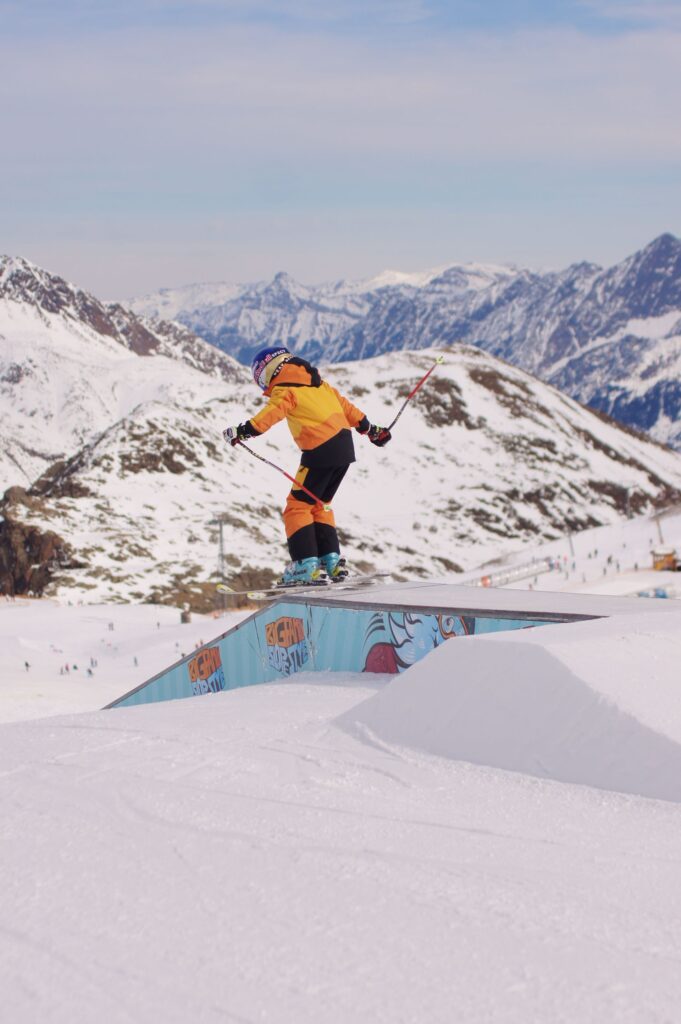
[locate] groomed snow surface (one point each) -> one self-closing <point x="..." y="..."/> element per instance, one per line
<point x="344" y="848"/>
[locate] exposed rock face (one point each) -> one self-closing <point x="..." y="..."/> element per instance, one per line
<point x="30" y="557"/>
<point x="149" y="337"/>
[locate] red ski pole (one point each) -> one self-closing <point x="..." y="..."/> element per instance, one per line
<point x="299" y="486"/>
<point x="440" y="359"/>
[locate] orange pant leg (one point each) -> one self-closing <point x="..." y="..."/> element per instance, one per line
<point x="310" y="526"/>
<point x="297" y="513"/>
<point x="323" y="514"/>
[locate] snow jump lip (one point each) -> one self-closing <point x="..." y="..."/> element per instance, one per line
<point x="384" y="629"/>
<point x="591" y="703"/>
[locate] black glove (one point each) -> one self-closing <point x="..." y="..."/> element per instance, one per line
<point x="235" y="434"/>
<point x="378" y="435"/>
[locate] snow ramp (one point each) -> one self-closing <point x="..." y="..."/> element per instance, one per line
<point x="382" y="629"/>
<point x="597" y="703"/>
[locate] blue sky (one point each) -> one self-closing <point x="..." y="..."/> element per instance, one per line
<point x="158" y="143"/>
<point x="354" y="15"/>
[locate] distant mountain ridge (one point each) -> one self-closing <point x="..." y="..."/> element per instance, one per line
<point x="320" y="321"/>
<point x="609" y="337"/>
<point x="115" y="471"/>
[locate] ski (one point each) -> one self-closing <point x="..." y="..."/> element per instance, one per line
<point x="267" y="593"/>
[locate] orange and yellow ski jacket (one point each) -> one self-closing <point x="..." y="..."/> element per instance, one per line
<point x="319" y="417"/>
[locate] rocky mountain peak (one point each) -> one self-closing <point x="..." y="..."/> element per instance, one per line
<point x="16" y="271"/>
<point x="650" y="281"/>
<point x="282" y="280"/>
<point x="284" y="289"/>
<point x="45" y="293"/>
<point x="663" y="246"/>
<point x="24" y="282"/>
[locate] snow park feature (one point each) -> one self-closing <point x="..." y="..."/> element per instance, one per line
<point x="385" y="628"/>
<point x="339" y="846"/>
<point x="386" y="632"/>
<point x="560" y="706"/>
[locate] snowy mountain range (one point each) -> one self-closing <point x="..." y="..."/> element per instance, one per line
<point x="115" y="472"/>
<point x="609" y="337"/>
<point x="70" y="366"/>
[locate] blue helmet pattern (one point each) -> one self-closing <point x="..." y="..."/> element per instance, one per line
<point x="261" y="361"/>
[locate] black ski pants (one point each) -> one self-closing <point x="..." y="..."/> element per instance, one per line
<point x="311" y="527"/>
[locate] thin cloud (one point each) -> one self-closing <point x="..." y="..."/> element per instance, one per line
<point x="161" y="133"/>
<point x="653" y="15"/>
<point x="310" y="12"/>
<point x="255" y="95"/>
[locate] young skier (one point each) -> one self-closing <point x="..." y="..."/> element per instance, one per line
<point x="320" y="420"/>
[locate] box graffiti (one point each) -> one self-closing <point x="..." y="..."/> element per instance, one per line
<point x="277" y="642"/>
<point x="205" y="671"/>
<point x="288" y="649"/>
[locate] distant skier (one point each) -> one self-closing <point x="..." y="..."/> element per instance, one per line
<point x="320" y="419"/>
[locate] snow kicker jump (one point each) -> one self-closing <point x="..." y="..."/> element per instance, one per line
<point x="385" y="629"/>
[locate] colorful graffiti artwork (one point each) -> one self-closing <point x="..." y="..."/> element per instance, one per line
<point x="205" y="671"/>
<point x="288" y="649"/>
<point x="398" y="640"/>
<point x="278" y="642"/>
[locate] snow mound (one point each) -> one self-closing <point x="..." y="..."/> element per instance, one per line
<point x="597" y="703"/>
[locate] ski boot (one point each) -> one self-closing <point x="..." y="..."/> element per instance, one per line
<point x="306" y="572"/>
<point x="334" y="566"/>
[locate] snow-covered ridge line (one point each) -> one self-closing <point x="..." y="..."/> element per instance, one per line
<point x="172" y="303"/>
<point x="487" y="455"/>
<point x="70" y="366"/>
<point x="601" y="335"/>
<point x="116" y="423"/>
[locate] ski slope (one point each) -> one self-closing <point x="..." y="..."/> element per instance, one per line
<point x="241" y="857"/>
<point x="609" y="560"/>
<point x="491" y="836"/>
<point x="129" y="643"/>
